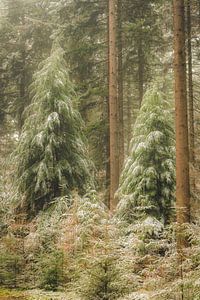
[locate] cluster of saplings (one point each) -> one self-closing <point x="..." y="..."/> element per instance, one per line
<point x="68" y="240"/>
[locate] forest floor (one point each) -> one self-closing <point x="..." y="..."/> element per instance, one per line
<point x="6" y="294"/>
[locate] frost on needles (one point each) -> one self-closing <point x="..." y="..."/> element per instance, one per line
<point x="148" y="179"/>
<point x="51" y="157"/>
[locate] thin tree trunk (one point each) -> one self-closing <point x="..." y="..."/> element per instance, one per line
<point x="107" y="154"/>
<point x="113" y="107"/>
<point x="140" y="72"/>
<point x="182" y="149"/>
<point x="120" y="86"/>
<point x="190" y="91"/>
<point x="129" y="123"/>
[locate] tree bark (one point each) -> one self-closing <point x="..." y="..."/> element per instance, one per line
<point x="129" y="123"/>
<point x="182" y="148"/>
<point x="107" y="154"/>
<point x="120" y="85"/>
<point x="190" y="92"/>
<point x="113" y="107"/>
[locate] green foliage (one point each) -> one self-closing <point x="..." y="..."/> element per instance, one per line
<point x="98" y="269"/>
<point x="91" y="216"/>
<point x="101" y="280"/>
<point x="159" y="271"/>
<point x="74" y="243"/>
<point x="10" y="267"/>
<point x="87" y="55"/>
<point x="51" y="156"/>
<point x="148" y="179"/>
<point x="51" y="268"/>
<point x="142" y="40"/>
<point x="12" y="262"/>
<point x="24" y="44"/>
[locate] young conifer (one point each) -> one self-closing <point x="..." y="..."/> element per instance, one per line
<point x="148" y="179"/>
<point x="51" y="155"/>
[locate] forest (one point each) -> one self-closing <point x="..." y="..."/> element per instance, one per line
<point x="100" y="150"/>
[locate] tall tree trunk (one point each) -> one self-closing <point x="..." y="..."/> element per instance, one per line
<point x="129" y="121"/>
<point x="190" y="91"/>
<point x="140" y="72"/>
<point x="120" y="84"/>
<point x="113" y="107"/>
<point x="182" y="149"/>
<point x="107" y="154"/>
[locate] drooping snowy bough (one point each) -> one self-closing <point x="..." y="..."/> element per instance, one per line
<point x="148" y="180"/>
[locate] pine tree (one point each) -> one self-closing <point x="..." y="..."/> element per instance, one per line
<point x="50" y="157"/>
<point x="148" y="179"/>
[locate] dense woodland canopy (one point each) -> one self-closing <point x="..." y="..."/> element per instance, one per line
<point x="99" y="128"/>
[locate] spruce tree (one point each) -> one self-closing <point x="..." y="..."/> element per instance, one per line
<point x="148" y="179"/>
<point x="51" y="155"/>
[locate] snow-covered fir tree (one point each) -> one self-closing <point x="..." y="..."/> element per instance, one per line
<point x="51" y="157"/>
<point x="148" y="179"/>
